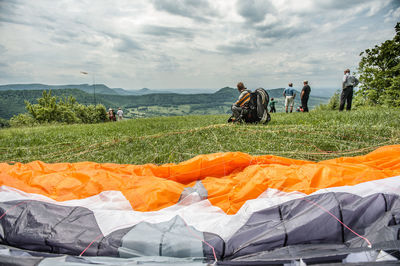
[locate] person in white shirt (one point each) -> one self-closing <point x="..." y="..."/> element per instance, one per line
<point x="348" y="83"/>
<point x="120" y="113"/>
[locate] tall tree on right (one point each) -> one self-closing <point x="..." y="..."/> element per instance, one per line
<point x="379" y="71"/>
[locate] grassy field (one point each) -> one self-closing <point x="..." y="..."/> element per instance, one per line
<point x="314" y="136"/>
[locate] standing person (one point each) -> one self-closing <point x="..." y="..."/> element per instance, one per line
<point x="244" y="98"/>
<point x="110" y="114"/>
<point x="120" y="113"/>
<point x="272" y="106"/>
<point x="304" y="95"/>
<point x="289" y="94"/>
<point x="348" y="83"/>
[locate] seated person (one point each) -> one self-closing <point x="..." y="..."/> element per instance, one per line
<point x="244" y="98"/>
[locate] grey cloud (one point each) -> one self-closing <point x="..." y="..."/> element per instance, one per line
<point x="2" y="50"/>
<point x="278" y="31"/>
<point x="167" y="63"/>
<point x="9" y="12"/>
<point x="63" y="36"/>
<point x="168" y="31"/>
<point x="395" y="3"/>
<point x="340" y="4"/>
<point x="235" y="48"/>
<point x="126" y="45"/>
<point x="199" y="10"/>
<point x="254" y="10"/>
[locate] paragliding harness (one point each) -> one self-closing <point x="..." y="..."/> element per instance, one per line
<point x="256" y="110"/>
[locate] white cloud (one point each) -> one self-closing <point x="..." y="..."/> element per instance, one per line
<point x="189" y="43"/>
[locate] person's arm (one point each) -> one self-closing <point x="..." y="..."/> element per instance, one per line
<point x="356" y="81"/>
<point x="239" y="101"/>
<point x="302" y="94"/>
<point x="344" y="81"/>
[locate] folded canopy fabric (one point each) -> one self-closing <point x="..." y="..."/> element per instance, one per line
<point x="230" y="208"/>
<point x="230" y="179"/>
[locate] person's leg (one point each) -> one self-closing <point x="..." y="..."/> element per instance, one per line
<point x="236" y="111"/>
<point x="349" y="98"/>
<point x="291" y="103"/>
<point x="304" y="104"/>
<point x="343" y="98"/>
<point x="286" y="103"/>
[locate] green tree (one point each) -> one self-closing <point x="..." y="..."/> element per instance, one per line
<point x="48" y="109"/>
<point x="59" y="109"/>
<point x="379" y="71"/>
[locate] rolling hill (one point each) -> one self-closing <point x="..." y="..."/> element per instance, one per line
<point x="148" y="105"/>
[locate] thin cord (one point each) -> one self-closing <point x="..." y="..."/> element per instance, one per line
<point x="90" y="244"/>
<point x="331" y="214"/>
<point x="202" y="240"/>
<point x="4" y="214"/>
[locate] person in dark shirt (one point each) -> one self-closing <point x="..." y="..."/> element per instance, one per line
<point x="304" y="95"/>
<point x="272" y="105"/>
<point x="348" y="84"/>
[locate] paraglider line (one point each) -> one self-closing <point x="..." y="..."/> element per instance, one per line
<point x="202" y="240"/>
<point x="15" y="206"/>
<point x="90" y="244"/>
<point x="331" y="214"/>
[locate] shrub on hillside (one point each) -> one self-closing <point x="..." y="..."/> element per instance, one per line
<point x="4" y="123"/>
<point x="90" y="114"/>
<point x="22" y="120"/>
<point x="62" y="110"/>
<point x="333" y="103"/>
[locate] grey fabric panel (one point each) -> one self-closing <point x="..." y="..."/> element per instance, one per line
<point x="216" y="242"/>
<point x="16" y="257"/>
<point x="110" y="244"/>
<point x="109" y="261"/>
<point x="173" y="238"/>
<point x="367" y="217"/>
<point x="311" y="254"/>
<point x="309" y="221"/>
<point x="306" y="223"/>
<point x="42" y="226"/>
<point x="263" y="231"/>
<point x="198" y="187"/>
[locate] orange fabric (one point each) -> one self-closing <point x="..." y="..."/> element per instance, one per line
<point x="230" y="178"/>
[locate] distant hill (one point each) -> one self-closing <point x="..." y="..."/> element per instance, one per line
<point x="152" y="104"/>
<point x="99" y="89"/>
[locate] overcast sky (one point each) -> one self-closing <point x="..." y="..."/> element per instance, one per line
<point x="160" y="44"/>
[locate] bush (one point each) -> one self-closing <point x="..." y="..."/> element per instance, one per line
<point x="4" y="123"/>
<point x="90" y="114"/>
<point x="60" y="110"/>
<point x="23" y="120"/>
<point x="333" y="103"/>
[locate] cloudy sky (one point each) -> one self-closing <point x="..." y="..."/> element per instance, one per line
<point x="162" y="44"/>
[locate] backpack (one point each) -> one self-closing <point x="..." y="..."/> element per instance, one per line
<point x="256" y="110"/>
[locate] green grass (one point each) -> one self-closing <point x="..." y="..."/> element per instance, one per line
<point x="314" y="136"/>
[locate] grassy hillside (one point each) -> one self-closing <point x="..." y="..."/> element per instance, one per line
<point x="313" y="136"/>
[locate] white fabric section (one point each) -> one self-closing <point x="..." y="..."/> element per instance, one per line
<point x="113" y="211"/>
<point x="390" y="185"/>
<point x="107" y="200"/>
<point x="365" y="256"/>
